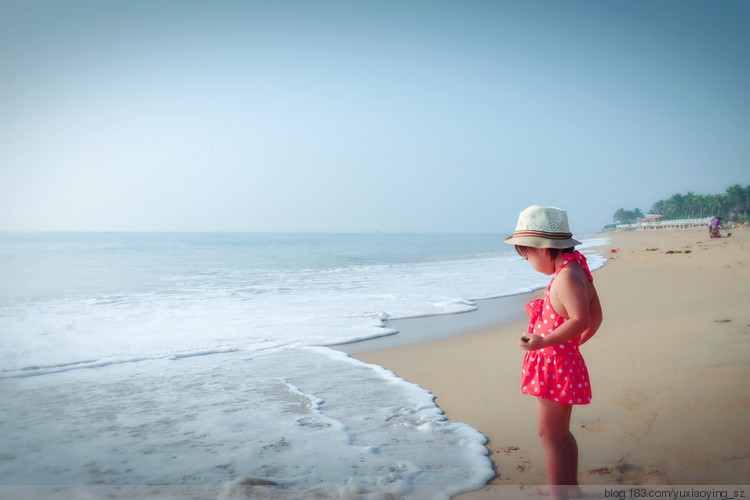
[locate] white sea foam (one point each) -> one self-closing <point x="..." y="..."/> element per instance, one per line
<point x="273" y="416"/>
<point x="222" y="312"/>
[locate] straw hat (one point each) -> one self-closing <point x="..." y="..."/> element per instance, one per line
<point x="542" y="227"/>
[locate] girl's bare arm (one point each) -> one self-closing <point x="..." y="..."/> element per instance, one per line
<point x="596" y="319"/>
<point x="571" y="288"/>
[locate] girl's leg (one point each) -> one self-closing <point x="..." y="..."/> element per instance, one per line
<point x="571" y="447"/>
<point x="558" y="445"/>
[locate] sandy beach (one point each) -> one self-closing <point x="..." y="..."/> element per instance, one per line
<point x="669" y="370"/>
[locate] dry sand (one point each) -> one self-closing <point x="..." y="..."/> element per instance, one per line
<point x="670" y="371"/>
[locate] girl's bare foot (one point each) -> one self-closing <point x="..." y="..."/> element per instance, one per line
<point x="574" y="491"/>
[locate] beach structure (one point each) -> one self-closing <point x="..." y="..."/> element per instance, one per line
<point x="653" y="221"/>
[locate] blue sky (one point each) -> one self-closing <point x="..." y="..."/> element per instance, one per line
<point x="364" y="115"/>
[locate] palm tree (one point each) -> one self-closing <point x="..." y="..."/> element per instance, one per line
<point x="701" y="202"/>
<point x="658" y="208"/>
<point x="675" y="205"/>
<point x="620" y="216"/>
<point x="694" y="205"/>
<point x="628" y="216"/>
<point x="717" y="203"/>
<point x="734" y="198"/>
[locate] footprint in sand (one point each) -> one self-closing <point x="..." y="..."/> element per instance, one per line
<point x="507" y="450"/>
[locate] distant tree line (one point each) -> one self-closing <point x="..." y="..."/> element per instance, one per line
<point x="732" y="204"/>
<point x="623" y="216"/>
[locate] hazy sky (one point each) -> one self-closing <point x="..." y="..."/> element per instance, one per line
<point x="352" y="115"/>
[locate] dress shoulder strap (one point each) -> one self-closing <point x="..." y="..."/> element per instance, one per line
<point x="577" y="256"/>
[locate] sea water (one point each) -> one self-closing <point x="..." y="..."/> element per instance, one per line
<point x="200" y="360"/>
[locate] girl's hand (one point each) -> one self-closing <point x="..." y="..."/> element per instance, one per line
<point x="534" y="343"/>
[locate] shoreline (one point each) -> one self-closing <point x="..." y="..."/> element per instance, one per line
<point x="421" y="329"/>
<point x="671" y="321"/>
<point x="489" y="312"/>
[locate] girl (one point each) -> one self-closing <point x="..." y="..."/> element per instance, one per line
<point x="567" y="316"/>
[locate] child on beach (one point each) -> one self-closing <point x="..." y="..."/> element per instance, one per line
<point x="568" y="316"/>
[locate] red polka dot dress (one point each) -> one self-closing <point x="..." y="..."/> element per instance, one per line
<point x="557" y="372"/>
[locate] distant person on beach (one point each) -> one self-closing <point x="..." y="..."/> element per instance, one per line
<point x="569" y="315"/>
<point x="711" y="225"/>
<point x="715" y="225"/>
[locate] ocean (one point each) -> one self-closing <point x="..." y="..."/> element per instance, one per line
<point x="200" y="360"/>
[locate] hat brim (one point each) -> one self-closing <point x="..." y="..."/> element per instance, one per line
<point x="541" y="242"/>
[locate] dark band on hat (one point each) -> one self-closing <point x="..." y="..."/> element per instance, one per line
<point x="543" y="234"/>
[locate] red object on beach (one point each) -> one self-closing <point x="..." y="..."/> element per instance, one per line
<point x="614" y="250"/>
